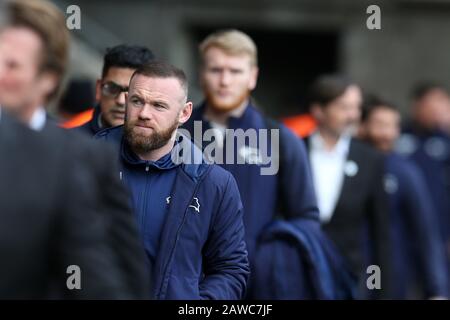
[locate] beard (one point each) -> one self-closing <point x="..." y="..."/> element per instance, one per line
<point x="224" y="106"/>
<point x="381" y="144"/>
<point x="144" y="143"/>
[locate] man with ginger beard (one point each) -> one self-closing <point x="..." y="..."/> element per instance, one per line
<point x="280" y="206"/>
<point x="189" y="214"/>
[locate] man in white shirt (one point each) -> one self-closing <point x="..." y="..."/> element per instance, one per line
<point x="348" y="178"/>
<point x="328" y="172"/>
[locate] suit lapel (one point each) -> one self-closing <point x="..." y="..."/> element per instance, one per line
<point x="353" y="160"/>
<point x="346" y="190"/>
<point x="12" y="134"/>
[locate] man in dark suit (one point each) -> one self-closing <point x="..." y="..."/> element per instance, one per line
<point x="30" y="74"/>
<point x="348" y="178"/>
<point x="49" y="222"/>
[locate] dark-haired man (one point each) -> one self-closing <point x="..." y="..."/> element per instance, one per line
<point x="348" y="178"/>
<point x="119" y="64"/>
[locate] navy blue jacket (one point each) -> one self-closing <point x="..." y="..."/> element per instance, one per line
<point x="310" y="253"/>
<point x="91" y="127"/>
<point x="288" y="195"/>
<point x="260" y="193"/>
<point x="202" y="253"/>
<point x="430" y="151"/>
<point x="418" y="255"/>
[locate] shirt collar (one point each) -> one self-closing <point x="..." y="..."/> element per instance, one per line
<point x="38" y="119"/>
<point x="342" y="146"/>
<point x="100" y="121"/>
<point x="234" y="114"/>
<point x="163" y="163"/>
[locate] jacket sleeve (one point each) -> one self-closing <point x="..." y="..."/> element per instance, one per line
<point x="429" y="249"/>
<point x="296" y="193"/>
<point x="226" y="266"/>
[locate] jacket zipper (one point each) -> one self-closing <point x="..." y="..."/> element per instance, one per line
<point x="144" y="202"/>
<point x="172" y="251"/>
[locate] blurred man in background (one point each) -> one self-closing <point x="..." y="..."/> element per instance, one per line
<point x="348" y="177"/>
<point x="33" y="52"/>
<point x="418" y="255"/>
<point x="49" y="222"/>
<point x="119" y="64"/>
<point x="425" y="143"/>
<point x="280" y="208"/>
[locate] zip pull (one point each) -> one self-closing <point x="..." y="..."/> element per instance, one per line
<point x="147" y="167"/>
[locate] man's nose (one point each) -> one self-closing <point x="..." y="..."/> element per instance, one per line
<point x="120" y="99"/>
<point x="225" y="78"/>
<point x="145" y="113"/>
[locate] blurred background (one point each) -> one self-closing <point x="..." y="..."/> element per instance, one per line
<point x="297" y="40"/>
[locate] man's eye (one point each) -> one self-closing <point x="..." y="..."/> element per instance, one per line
<point x="137" y="102"/>
<point x="12" y="65"/>
<point x="160" y="106"/>
<point x="236" y="71"/>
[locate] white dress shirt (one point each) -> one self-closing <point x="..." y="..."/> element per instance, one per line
<point x="38" y="119"/>
<point x="328" y="172"/>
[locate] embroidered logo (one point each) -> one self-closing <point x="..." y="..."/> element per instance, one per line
<point x="196" y="205"/>
<point x="251" y="155"/>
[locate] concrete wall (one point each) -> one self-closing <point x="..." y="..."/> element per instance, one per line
<point x="412" y="44"/>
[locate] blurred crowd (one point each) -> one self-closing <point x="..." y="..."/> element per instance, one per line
<point x="359" y="208"/>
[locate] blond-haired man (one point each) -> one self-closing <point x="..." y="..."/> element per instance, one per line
<point x="229" y="72"/>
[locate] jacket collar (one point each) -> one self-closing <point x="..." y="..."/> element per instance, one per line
<point x="233" y="122"/>
<point x="190" y="156"/>
<point x="129" y="157"/>
<point x="96" y="122"/>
